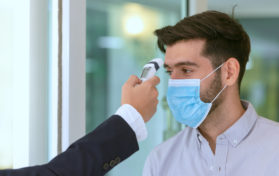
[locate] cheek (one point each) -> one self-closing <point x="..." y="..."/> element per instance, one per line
<point x="203" y="91"/>
<point x="205" y="86"/>
<point x="207" y="92"/>
<point x="176" y="74"/>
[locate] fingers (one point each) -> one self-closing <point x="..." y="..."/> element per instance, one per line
<point x="156" y="101"/>
<point x="151" y="84"/>
<point x="155" y="80"/>
<point x="133" y="81"/>
<point x="155" y="92"/>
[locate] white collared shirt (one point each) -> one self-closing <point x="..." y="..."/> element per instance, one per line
<point x="134" y="119"/>
<point x="250" y="147"/>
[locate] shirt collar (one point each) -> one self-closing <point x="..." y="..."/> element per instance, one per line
<point x="199" y="137"/>
<point x="240" y="129"/>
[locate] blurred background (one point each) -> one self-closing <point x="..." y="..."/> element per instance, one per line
<point x="119" y="41"/>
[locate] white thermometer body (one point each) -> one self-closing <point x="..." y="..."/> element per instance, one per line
<point x="151" y="68"/>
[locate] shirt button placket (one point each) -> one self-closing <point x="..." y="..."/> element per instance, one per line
<point x="221" y="155"/>
<point x="213" y="170"/>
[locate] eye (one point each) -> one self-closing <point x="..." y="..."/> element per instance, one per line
<point x="184" y="70"/>
<point x="168" y="72"/>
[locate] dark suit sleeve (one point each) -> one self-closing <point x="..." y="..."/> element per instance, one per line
<point x="93" y="155"/>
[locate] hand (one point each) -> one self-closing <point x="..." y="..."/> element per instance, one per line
<point x="142" y="96"/>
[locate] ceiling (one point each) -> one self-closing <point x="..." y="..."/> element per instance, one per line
<point x="245" y="8"/>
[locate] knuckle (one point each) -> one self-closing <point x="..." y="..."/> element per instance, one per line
<point x="124" y="86"/>
<point x="156" y="93"/>
<point x="148" y="85"/>
<point x="156" y="90"/>
<point x="155" y="103"/>
<point x="133" y="77"/>
<point x="157" y="80"/>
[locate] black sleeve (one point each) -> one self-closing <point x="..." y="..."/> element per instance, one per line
<point x="93" y="155"/>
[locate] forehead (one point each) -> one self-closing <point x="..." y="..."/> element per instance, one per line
<point x="186" y="51"/>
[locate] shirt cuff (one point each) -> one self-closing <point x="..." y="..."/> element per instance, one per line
<point x="134" y="119"/>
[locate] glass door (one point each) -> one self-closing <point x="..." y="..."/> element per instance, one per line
<point x="119" y="42"/>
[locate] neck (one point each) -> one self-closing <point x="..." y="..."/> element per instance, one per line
<point x="220" y="119"/>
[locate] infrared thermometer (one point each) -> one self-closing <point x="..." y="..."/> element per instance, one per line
<point x="151" y="68"/>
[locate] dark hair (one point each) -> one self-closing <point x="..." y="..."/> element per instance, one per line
<point x="224" y="37"/>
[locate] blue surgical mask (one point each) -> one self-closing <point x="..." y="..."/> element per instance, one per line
<point x="184" y="100"/>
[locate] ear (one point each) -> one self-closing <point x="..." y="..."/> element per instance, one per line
<point x="231" y="69"/>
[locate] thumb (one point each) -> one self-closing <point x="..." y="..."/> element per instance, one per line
<point x="153" y="81"/>
<point x="133" y="81"/>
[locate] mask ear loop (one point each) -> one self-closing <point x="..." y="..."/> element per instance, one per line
<point x="219" y="94"/>
<point x="212" y="72"/>
<point x="210" y="75"/>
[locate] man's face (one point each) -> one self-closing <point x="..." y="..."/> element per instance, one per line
<point x="184" y="60"/>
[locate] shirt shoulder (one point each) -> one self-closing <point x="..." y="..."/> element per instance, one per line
<point x="178" y="142"/>
<point x="168" y="152"/>
<point x="267" y="132"/>
<point x="264" y="122"/>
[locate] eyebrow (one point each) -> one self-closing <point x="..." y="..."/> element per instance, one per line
<point x="187" y="63"/>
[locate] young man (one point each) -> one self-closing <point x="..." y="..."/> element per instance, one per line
<point x="206" y="56"/>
